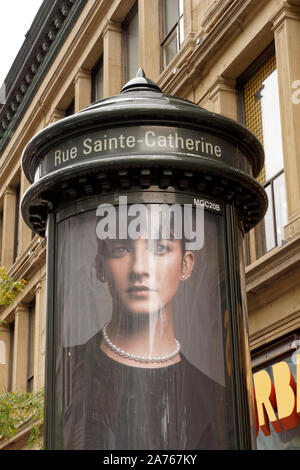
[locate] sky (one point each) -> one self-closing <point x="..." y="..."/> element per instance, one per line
<point x="16" y="17"/>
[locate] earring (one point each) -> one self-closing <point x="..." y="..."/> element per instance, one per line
<point x="183" y="277"/>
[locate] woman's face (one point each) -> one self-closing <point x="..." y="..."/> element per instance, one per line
<point x="144" y="274"/>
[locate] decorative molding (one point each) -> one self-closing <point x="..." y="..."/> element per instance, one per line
<point x="30" y="265"/>
<point x="114" y="26"/>
<point x="21" y="308"/>
<point x="56" y="115"/>
<point x="286" y="11"/>
<point x="29" y="260"/>
<point x="214" y="13"/>
<point x="275" y="330"/>
<point x="9" y="190"/>
<point x="20" y="440"/>
<point x="221" y="84"/>
<point x="216" y="185"/>
<point x="273" y="266"/>
<point x="43" y="41"/>
<point x="81" y="73"/>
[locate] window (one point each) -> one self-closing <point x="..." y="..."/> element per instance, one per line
<point x="2" y="352"/>
<point x="172" y="29"/>
<point x="31" y="314"/>
<point x="275" y="368"/>
<point x="11" y="354"/>
<point x="130" y="33"/>
<point x="97" y="82"/>
<point x="262" y="117"/>
<point x="17" y="218"/>
<point x="71" y="108"/>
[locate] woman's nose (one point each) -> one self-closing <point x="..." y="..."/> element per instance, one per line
<point x="140" y="262"/>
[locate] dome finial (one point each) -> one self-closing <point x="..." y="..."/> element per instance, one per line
<point x="140" y="73"/>
<point x="140" y="82"/>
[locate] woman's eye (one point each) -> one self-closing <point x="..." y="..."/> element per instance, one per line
<point x="119" y="251"/>
<point x="159" y="248"/>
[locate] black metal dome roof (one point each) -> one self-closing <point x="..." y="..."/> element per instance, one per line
<point x="142" y="103"/>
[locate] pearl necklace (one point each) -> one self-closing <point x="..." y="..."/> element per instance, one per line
<point x="136" y="357"/>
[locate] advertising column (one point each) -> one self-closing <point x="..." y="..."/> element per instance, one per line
<point x="144" y="204"/>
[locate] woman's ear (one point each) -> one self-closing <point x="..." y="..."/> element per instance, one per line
<point x="187" y="265"/>
<point x="100" y="268"/>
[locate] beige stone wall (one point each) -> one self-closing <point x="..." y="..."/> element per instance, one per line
<point x="222" y="38"/>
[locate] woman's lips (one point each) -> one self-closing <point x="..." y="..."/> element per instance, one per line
<point x="139" y="290"/>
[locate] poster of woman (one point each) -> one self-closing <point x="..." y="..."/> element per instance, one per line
<point x="140" y="325"/>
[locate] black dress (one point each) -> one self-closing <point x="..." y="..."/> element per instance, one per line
<point x="115" y="406"/>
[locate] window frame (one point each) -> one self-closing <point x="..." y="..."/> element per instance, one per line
<point x="98" y="66"/>
<point x="270" y="182"/>
<point x="70" y="109"/>
<point x="125" y="35"/>
<point x="164" y="37"/>
<point x="17" y="222"/>
<point x="253" y="68"/>
<point x="11" y="354"/>
<point x="31" y="337"/>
